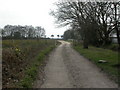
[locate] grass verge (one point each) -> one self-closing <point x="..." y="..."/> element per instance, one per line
<point x="31" y="72"/>
<point x="95" y="54"/>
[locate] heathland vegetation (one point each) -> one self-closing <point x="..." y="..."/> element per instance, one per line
<point x="21" y="60"/>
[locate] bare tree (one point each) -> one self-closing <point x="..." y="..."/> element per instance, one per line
<point x="117" y="22"/>
<point x="10" y="31"/>
<point x="93" y="19"/>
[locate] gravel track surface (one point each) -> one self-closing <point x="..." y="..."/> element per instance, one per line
<point x="66" y="68"/>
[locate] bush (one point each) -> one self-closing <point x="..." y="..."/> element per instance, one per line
<point x="18" y="56"/>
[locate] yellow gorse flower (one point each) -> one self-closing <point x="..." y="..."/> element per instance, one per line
<point x="17" y="49"/>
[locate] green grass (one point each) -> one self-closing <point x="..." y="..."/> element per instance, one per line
<point x="31" y="72"/>
<point x="113" y="47"/>
<point x="95" y="54"/>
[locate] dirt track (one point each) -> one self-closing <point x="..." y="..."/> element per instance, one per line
<point x="68" y="69"/>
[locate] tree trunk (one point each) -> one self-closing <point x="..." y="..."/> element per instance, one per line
<point x="106" y="40"/>
<point x="85" y="46"/>
<point x="85" y="39"/>
<point x="116" y="27"/>
<point x="85" y="43"/>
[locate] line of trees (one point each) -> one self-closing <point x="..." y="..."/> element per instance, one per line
<point x="22" y="32"/>
<point x="94" y="21"/>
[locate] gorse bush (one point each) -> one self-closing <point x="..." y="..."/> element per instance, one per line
<point x="19" y="55"/>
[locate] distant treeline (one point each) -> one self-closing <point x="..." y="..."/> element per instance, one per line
<point x="22" y="32"/>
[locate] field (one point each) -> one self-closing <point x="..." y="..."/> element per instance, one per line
<point x="95" y="54"/>
<point x="21" y="59"/>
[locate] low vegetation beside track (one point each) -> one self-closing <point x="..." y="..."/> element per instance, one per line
<point x="21" y="59"/>
<point x="95" y="54"/>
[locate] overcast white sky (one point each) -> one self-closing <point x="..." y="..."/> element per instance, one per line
<point x="29" y="12"/>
